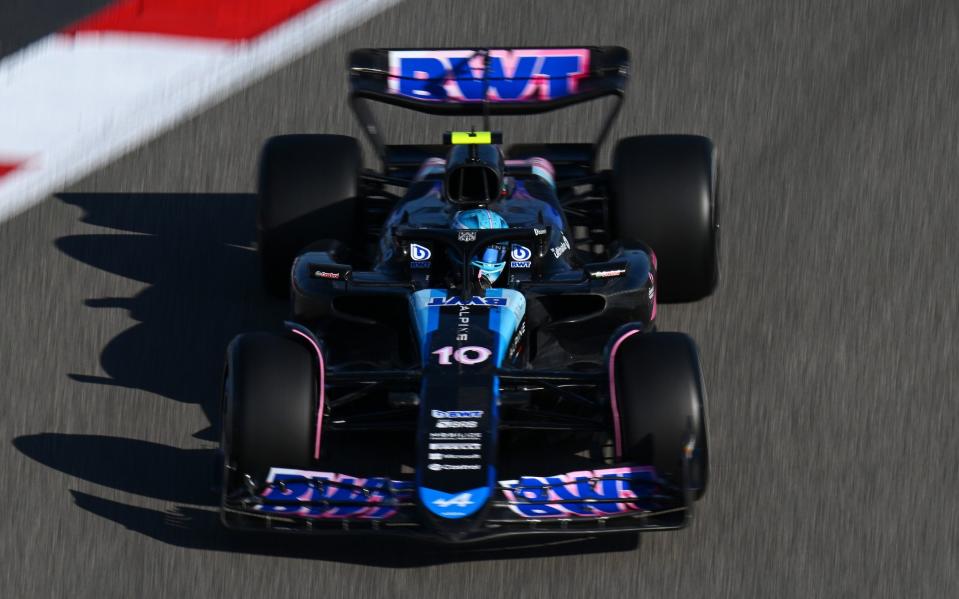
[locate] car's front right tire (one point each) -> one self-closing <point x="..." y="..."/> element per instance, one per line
<point x="658" y="398"/>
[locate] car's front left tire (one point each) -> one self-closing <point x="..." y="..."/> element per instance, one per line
<point x="270" y="404"/>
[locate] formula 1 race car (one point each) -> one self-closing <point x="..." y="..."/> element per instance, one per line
<point x="476" y="356"/>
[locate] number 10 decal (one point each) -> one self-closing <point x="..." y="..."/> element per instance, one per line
<point x="468" y="355"/>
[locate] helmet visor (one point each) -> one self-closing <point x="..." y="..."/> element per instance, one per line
<point x="491" y="262"/>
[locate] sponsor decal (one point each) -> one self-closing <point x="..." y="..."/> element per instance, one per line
<point x="454" y="456"/>
<point x="476" y="300"/>
<point x="608" y="274"/>
<point x="651" y="292"/>
<point x="521" y="253"/>
<point x="608" y="491"/>
<point x="466" y="236"/>
<point x="461" y="500"/>
<point x="455" y="436"/>
<point x="539" y="231"/>
<point x="521" y="256"/>
<point x="322" y="274"/>
<point x="457" y="414"/>
<point x="438" y="467"/>
<point x="420" y="265"/>
<point x="463" y="324"/>
<point x="454" y="505"/>
<point x="420" y="253"/>
<point x="467" y="355"/>
<point x="457" y="424"/>
<point x="513" y="75"/>
<point x="456" y="446"/>
<point x="304" y="486"/>
<point x="561" y="248"/>
<point x="517" y="338"/>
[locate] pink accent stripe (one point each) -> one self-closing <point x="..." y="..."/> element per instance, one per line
<point x="652" y="280"/>
<point x="322" y="392"/>
<point x="617" y="433"/>
<point x="652" y="255"/>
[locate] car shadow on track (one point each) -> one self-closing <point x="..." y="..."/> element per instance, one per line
<point x="194" y="253"/>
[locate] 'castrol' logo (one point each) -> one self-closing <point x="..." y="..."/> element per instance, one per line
<point x="456" y="424"/>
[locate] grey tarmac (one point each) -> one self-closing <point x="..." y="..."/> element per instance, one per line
<point x="829" y="350"/>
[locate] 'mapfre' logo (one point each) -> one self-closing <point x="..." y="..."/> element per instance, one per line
<point x="514" y="75"/>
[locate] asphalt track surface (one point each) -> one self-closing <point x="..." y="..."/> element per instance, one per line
<point x="25" y="21"/>
<point x="829" y="349"/>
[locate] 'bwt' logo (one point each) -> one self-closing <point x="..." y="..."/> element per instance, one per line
<point x="513" y="75"/>
<point x="419" y="252"/>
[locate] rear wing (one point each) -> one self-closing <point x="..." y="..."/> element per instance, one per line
<point x="485" y="82"/>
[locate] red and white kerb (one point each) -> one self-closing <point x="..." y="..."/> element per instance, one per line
<point x="81" y="97"/>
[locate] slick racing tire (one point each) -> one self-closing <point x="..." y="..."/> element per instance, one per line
<point x="307" y="190"/>
<point x="270" y="403"/>
<point x="658" y="395"/>
<point x="663" y="193"/>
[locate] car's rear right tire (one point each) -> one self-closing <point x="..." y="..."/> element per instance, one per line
<point x="307" y="190"/>
<point x="663" y="194"/>
<point x="659" y="397"/>
<point x="270" y="403"/>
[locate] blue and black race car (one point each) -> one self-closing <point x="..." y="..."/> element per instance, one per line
<point x="472" y="348"/>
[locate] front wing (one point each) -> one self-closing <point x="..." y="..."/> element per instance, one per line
<point x="609" y="499"/>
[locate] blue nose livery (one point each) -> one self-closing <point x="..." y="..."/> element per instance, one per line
<point x="463" y="344"/>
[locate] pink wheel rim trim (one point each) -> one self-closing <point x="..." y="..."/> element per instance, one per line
<point x="321" y="391"/>
<point x="614" y="405"/>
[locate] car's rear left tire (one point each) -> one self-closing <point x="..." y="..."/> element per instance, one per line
<point x="308" y="186"/>
<point x="270" y="404"/>
<point x="658" y="394"/>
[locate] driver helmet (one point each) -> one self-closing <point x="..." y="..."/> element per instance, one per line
<point x="491" y="261"/>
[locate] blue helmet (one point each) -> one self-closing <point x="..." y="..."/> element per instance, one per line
<point x="492" y="260"/>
